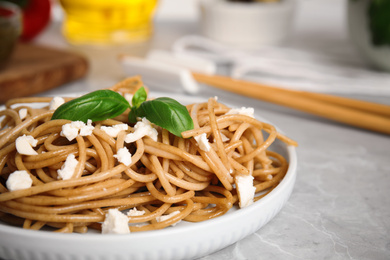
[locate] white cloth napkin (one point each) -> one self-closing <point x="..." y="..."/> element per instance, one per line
<point x="289" y="68"/>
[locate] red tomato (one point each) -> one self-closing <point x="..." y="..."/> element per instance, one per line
<point x="36" y="15"/>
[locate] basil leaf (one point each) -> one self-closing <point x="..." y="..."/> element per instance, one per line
<point x="133" y="115"/>
<point x="165" y="112"/>
<point x="98" y="105"/>
<point x="139" y="97"/>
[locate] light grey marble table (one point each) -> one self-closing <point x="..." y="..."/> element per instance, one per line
<point x="340" y="206"/>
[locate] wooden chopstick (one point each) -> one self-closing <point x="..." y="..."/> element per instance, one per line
<point x="366" y="115"/>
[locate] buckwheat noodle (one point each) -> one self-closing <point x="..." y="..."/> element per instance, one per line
<point x="172" y="174"/>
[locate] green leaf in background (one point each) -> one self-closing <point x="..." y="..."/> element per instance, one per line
<point x="379" y="22"/>
<point x="164" y="112"/>
<point x="98" y="105"/>
<point x="21" y="3"/>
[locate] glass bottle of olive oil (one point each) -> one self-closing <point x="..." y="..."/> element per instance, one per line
<point x="108" y="22"/>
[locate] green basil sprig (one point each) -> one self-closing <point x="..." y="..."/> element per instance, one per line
<point x="139" y="96"/>
<point x="103" y="104"/>
<point x="98" y="105"/>
<point x="164" y="112"/>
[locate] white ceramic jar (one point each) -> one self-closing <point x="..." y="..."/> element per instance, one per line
<point x="244" y="24"/>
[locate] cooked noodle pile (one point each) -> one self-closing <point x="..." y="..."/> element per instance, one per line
<point x="170" y="175"/>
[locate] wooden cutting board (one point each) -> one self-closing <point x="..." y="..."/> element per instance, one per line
<point x="34" y="69"/>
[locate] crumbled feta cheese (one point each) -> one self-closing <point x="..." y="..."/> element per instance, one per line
<point x="18" y="180"/>
<point x="56" y="102"/>
<point x="224" y="138"/>
<point x="245" y="189"/>
<point x="87" y="129"/>
<point x="124" y="156"/>
<point x="71" y="130"/>
<point x="25" y="143"/>
<point x="134" y="212"/>
<point x="23" y="113"/>
<point x="115" y="223"/>
<point x="203" y="142"/>
<point x="129" y="98"/>
<point x="141" y="129"/>
<point x="114" y="130"/>
<point x="165" y="217"/>
<point x="247" y="111"/>
<point x="67" y="170"/>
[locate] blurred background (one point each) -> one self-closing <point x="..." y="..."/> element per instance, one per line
<point x="299" y="44"/>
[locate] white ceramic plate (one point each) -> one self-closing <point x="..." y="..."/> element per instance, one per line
<point x="183" y="241"/>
